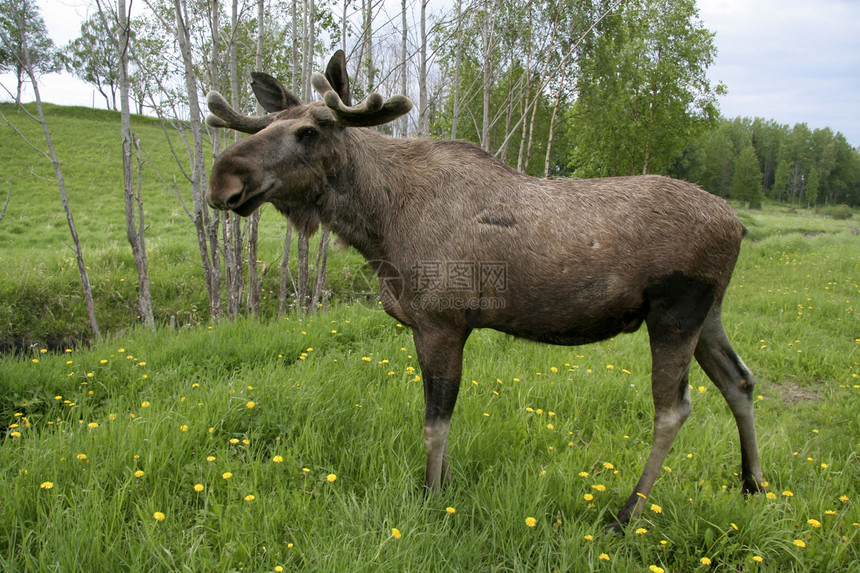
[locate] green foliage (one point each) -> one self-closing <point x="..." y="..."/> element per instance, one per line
<point x="746" y="180"/>
<point x="799" y="165"/>
<point x="21" y="24"/>
<point x="643" y="89"/>
<point x="93" y="57"/>
<point x="103" y="441"/>
<point x="838" y="212"/>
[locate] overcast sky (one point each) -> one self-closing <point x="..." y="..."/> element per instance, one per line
<point x="788" y="60"/>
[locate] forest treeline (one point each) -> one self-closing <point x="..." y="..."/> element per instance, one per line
<point x="581" y="88"/>
<point x="554" y="87"/>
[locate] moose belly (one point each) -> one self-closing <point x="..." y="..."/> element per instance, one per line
<point x="573" y="330"/>
<point x="583" y="317"/>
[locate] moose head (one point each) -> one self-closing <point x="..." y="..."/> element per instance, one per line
<point x="295" y="146"/>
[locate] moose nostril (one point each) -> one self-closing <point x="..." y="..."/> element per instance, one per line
<point x="234" y="200"/>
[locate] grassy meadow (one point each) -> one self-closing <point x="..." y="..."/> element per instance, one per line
<point x="295" y="444"/>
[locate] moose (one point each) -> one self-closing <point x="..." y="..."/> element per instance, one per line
<point x="461" y="241"/>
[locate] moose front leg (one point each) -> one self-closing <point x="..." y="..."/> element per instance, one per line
<point x="440" y="354"/>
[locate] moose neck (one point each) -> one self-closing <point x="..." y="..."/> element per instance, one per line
<point x="363" y="189"/>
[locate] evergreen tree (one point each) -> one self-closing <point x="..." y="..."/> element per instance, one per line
<point x="746" y="181"/>
<point x="812" y="185"/>
<point x="780" y="180"/>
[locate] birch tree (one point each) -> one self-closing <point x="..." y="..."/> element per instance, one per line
<point x="15" y="36"/>
<point x="202" y="220"/>
<point x="134" y="220"/>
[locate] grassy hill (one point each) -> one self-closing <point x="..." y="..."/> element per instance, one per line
<point x="40" y="285"/>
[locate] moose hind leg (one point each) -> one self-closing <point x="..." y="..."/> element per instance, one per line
<point x="724" y="367"/>
<point x="671" y="393"/>
<point x="678" y="308"/>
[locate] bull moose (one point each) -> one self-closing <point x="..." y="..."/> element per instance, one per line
<point x="461" y="241"/>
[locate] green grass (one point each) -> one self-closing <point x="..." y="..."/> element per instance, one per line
<point x="337" y="394"/>
<point x="536" y="428"/>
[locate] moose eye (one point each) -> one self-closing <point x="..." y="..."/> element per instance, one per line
<point x="307" y="134"/>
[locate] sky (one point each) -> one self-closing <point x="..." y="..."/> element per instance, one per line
<point x="793" y="61"/>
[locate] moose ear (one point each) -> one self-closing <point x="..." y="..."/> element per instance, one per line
<point x="271" y="94"/>
<point x="337" y="76"/>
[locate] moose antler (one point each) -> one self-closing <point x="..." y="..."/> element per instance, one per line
<point x="372" y="111"/>
<point x="225" y="116"/>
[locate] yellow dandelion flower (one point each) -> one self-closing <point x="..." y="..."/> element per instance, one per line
<point x="800" y="543"/>
<point x="588" y="497"/>
<point x="250" y="497"/>
<point x="599" y="487"/>
<point x="589" y="538"/>
<point x="813" y="522"/>
<point x="183" y="428"/>
<point x="656" y="508"/>
<point x="278" y="459"/>
<point x="844" y="498"/>
<point x="604" y="557"/>
<point x="583" y="474"/>
<point x="15" y="434"/>
<point x="250" y="404"/>
<point x="655" y="569"/>
<point x="47" y="485"/>
<point x="144" y="404"/>
<point x="787" y="493"/>
<point x="450" y="510"/>
<point x="138" y="474"/>
<point x="158" y="516"/>
<point x="93" y="425"/>
<point x="531" y="521"/>
<point x="641" y="531"/>
<point x="829" y="512"/>
<point x="330" y="478"/>
<point x="757" y="558"/>
<point x="226" y="475"/>
<point x="770" y="495"/>
<point x="396" y="533"/>
<point x="705" y="561"/>
<point x="198" y="487"/>
<point x="210" y="458"/>
<point x="81" y="456"/>
<point x="608" y="465"/>
<point x="278" y="569"/>
<point x="642" y="495"/>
